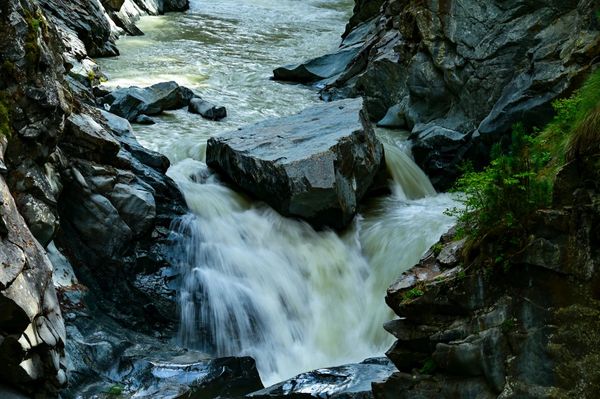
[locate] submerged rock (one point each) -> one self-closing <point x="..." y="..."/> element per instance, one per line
<point x="351" y="381"/>
<point x="207" y="109"/>
<point x="132" y="102"/>
<point x="316" y="165"/>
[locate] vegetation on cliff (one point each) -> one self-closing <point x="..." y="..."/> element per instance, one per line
<point x="501" y="200"/>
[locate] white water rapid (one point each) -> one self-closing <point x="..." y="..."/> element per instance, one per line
<point x="255" y="283"/>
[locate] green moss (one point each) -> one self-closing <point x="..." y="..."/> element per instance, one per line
<point x="37" y="27"/>
<point x="5" y="124"/>
<point x="576" y="353"/>
<point x="412" y="294"/>
<point x="437" y="248"/>
<point x="115" y="390"/>
<point x="9" y="69"/>
<point x="428" y="367"/>
<point x="91" y="75"/>
<point x="508" y="326"/>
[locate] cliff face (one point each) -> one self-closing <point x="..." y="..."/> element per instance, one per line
<point x="76" y="176"/>
<point x="528" y="329"/>
<point x="32" y="107"/>
<point x="458" y="74"/>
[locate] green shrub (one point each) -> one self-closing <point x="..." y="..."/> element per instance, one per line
<point x="412" y="294"/>
<point x="499" y="201"/>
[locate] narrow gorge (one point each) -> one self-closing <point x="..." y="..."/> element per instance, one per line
<point x="224" y="199"/>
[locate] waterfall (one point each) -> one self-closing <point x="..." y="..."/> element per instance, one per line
<point x="258" y="284"/>
<point x="252" y="282"/>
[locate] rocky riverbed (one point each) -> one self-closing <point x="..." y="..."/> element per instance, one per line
<point x="126" y="272"/>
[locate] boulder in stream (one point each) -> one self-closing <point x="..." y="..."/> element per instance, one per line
<point x="131" y="102"/>
<point x="207" y="109"/>
<point x="316" y="165"/>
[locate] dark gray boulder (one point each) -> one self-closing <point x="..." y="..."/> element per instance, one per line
<point x="144" y="120"/>
<point x="207" y="109"/>
<point x="131" y="102"/>
<point x="440" y="152"/>
<point x="316" y="165"/>
<point x="106" y="358"/>
<point x="351" y="381"/>
<point x="317" y="69"/>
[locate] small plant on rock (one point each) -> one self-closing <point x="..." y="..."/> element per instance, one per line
<point x="412" y="294"/>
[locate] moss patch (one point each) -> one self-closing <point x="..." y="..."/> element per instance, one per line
<point x="5" y="127"/>
<point x="38" y="27"/>
<point x="576" y="352"/>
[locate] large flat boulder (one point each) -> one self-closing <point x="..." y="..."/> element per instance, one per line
<point x="316" y="165"/>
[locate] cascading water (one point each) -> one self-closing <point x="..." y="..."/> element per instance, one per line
<point x="255" y="283"/>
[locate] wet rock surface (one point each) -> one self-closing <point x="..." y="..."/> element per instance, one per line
<point x="207" y="109"/>
<point x="97" y="24"/>
<point x="468" y="71"/>
<point x="316" y="165"/>
<point x="86" y="188"/>
<point x="351" y="381"/>
<point x="107" y="360"/>
<point x="132" y="102"/>
<point x="32" y="333"/>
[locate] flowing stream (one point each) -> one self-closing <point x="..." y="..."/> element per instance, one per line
<point x="255" y="283"/>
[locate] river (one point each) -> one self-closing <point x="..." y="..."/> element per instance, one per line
<point x="254" y="283"/>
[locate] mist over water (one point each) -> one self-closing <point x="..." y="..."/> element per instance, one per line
<point x="253" y="282"/>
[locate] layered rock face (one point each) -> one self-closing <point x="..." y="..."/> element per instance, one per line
<point x="528" y="331"/>
<point x="96" y="24"/>
<point x="32" y="107"/>
<point x="77" y="176"/>
<point x="316" y="165"/>
<point x="32" y="332"/>
<point x="458" y="74"/>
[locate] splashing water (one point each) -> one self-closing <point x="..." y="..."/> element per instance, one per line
<point x="253" y="282"/>
<point x="258" y="284"/>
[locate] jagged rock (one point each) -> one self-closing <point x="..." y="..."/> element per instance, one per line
<point x="40" y="218"/>
<point x="136" y="206"/>
<point x="316" y="165"/>
<point x="32" y="334"/>
<point x="494" y="332"/>
<point x="105" y="357"/>
<point x="121" y="127"/>
<point x="132" y="102"/>
<point x="175" y="5"/>
<point x="351" y="381"/>
<point x="426" y="386"/>
<point x="85" y="136"/>
<point x="461" y="66"/>
<point x="206" y="109"/>
<point x="89" y="20"/>
<point x="321" y="68"/>
<point x="113" y="5"/>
